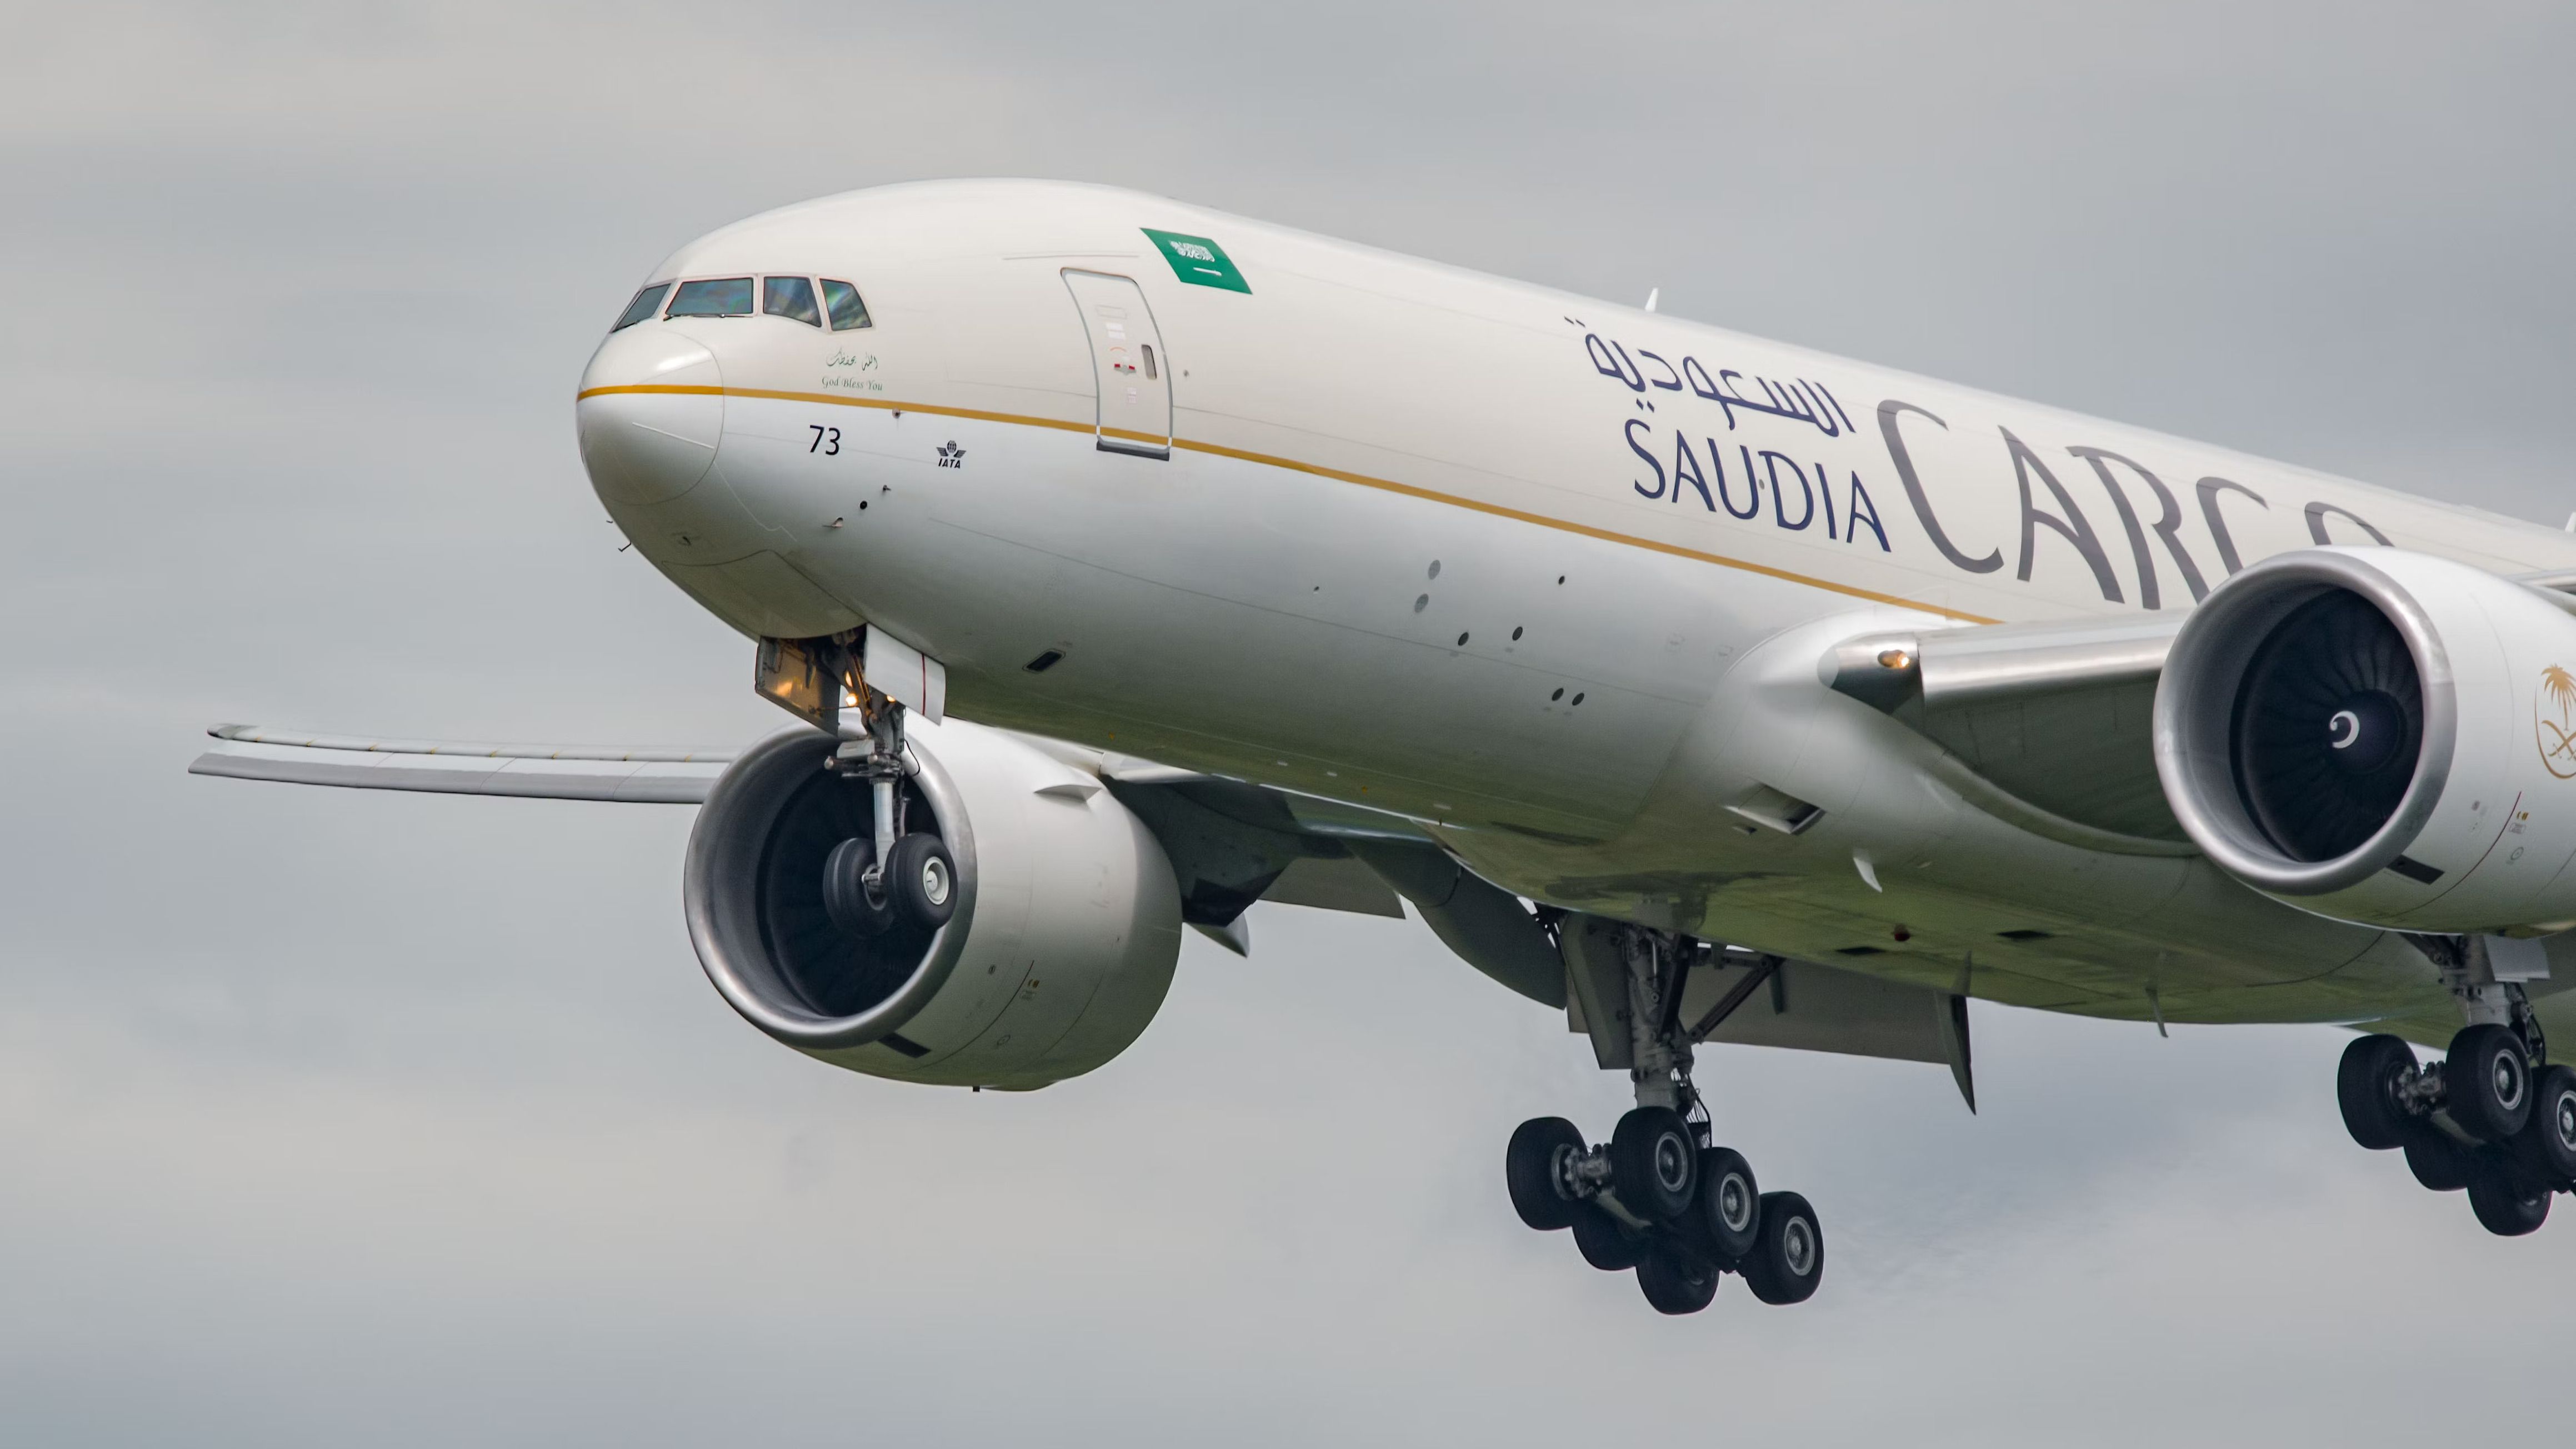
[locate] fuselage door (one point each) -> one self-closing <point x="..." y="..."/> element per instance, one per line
<point x="1127" y="363"/>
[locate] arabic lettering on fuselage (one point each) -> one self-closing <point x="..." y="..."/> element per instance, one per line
<point x="1804" y="400"/>
<point x="1677" y="473"/>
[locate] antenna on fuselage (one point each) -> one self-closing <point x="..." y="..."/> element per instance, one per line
<point x="1653" y="292"/>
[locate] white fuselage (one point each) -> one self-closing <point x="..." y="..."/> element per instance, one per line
<point x="1547" y="573"/>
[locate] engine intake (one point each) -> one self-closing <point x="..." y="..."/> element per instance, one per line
<point x="2320" y="794"/>
<point x="2363" y="732"/>
<point x="1057" y="952"/>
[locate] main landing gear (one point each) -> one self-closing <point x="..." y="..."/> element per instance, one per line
<point x="2492" y="1118"/>
<point x="1661" y="1198"/>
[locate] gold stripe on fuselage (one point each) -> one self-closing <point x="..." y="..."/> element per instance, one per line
<point x="1384" y="485"/>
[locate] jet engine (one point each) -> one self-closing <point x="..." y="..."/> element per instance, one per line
<point x="1058" y="951"/>
<point x="2379" y="736"/>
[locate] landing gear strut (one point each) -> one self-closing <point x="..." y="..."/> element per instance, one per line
<point x="2492" y="1117"/>
<point x="893" y="877"/>
<point x="1661" y="1196"/>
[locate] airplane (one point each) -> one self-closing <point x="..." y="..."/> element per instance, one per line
<point x="1126" y="563"/>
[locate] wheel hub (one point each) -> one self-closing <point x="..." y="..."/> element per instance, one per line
<point x="1564" y="1167"/>
<point x="1798" y="1246"/>
<point x="2508" y="1080"/>
<point x="1735" y="1205"/>
<point x="1672" y="1163"/>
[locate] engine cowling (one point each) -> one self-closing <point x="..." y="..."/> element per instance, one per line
<point x="1060" y="950"/>
<point x="2380" y="736"/>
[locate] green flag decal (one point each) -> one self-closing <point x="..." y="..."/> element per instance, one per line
<point x="1198" y="261"/>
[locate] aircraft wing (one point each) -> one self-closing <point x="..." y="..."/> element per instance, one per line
<point x="2049" y="725"/>
<point x="548" y="772"/>
<point x="1232" y="843"/>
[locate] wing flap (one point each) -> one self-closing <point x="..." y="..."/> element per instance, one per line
<point x="1334" y="885"/>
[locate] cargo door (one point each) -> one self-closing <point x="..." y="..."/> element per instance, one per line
<point x="1127" y="364"/>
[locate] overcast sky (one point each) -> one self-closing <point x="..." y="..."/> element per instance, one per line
<point x="333" y="1118"/>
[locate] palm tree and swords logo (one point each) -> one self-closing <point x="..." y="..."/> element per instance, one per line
<point x="2556" y="738"/>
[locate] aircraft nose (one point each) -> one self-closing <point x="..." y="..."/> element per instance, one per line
<point x="650" y="414"/>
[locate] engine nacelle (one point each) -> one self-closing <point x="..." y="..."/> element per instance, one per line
<point x="2380" y="736"/>
<point x="1061" y="948"/>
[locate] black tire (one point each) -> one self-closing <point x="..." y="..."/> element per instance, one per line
<point x="846" y="897"/>
<point x="1676" y="1282"/>
<point x="2508" y="1203"/>
<point x="2439" y="1163"/>
<point x="2366" y="1087"/>
<point x="1654" y="1162"/>
<point x="1788" y="1257"/>
<point x="1533" y="1172"/>
<point x="1728" y="1207"/>
<point x="1603" y="1243"/>
<point x="921" y="880"/>
<point x="2548" y="1140"/>
<point x="2486" y="1083"/>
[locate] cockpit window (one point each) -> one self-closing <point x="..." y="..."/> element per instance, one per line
<point x="727" y="297"/>
<point x="792" y="298"/>
<point x="646" y="303"/>
<point x="848" y="311"/>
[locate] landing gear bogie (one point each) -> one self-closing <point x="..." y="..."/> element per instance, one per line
<point x="1661" y="1197"/>
<point x="2491" y="1117"/>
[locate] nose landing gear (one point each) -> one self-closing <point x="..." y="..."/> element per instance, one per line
<point x="892" y="877"/>
<point x="1661" y="1197"/>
